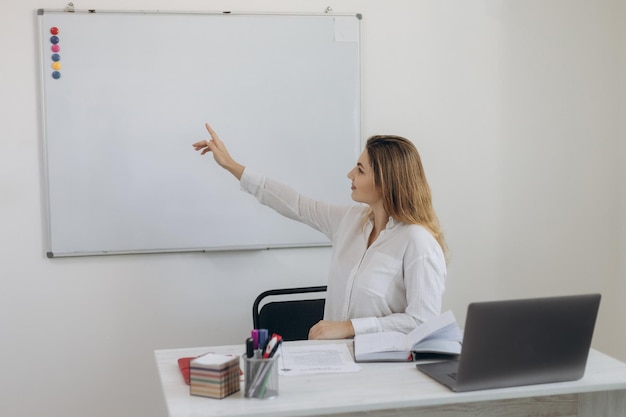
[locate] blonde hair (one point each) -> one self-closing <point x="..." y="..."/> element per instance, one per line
<point x="400" y="177"/>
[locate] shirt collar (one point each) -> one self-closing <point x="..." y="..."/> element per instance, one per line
<point x="391" y="223"/>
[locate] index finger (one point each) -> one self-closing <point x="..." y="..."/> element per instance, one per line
<point x="211" y="131"/>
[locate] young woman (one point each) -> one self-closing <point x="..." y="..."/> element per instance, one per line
<point x="388" y="266"/>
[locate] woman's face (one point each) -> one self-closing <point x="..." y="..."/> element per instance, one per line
<point x="362" y="177"/>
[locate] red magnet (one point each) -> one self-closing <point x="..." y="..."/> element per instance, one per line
<point x="54" y="30"/>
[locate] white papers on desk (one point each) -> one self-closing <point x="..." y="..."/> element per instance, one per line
<point x="316" y="359"/>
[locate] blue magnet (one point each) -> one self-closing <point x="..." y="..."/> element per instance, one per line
<point x="54" y="39"/>
<point x="56" y="57"/>
<point x="56" y="75"/>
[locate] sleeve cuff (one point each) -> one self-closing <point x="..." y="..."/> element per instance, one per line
<point x="251" y="181"/>
<point x="366" y="325"/>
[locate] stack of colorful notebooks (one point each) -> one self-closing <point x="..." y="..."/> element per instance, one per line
<point x="215" y="376"/>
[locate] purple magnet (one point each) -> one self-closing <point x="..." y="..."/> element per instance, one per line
<point x="54" y="39"/>
<point x="55" y="48"/>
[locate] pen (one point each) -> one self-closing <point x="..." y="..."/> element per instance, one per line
<point x="272" y="346"/>
<point x="280" y="342"/>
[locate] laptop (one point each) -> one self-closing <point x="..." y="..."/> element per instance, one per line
<point x="521" y="342"/>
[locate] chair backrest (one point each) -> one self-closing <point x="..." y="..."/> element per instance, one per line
<point x="290" y="318"/>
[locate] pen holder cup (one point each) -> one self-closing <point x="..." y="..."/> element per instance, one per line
<point x="261" y="377"/>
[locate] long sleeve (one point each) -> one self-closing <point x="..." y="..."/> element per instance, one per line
<point x="288" y="202"/>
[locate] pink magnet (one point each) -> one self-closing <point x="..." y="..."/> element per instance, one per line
<point x="54" y="30"/>
<point x="55" y="48"/>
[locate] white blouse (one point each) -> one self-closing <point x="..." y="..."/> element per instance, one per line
<point x="395" y="284"/>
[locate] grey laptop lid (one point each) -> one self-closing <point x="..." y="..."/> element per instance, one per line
<point x="521" y="342"/>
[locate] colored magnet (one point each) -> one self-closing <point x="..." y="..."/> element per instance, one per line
<point x="56" y="57"/>
<point x="54" y="39"/>
<point x="55" y="48"/>
<point x="56" y="75"/>
<point x="56" y="65"/>
<point x="54" y="30"/>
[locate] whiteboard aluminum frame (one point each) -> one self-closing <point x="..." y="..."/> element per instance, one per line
<point x="42" y="12"/>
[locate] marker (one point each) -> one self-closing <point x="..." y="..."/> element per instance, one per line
<point x="272" y="346"/>
<point x="273" y="352"/>
<point x="255" y="337"/>
<point x="249" y="347"/>
<point x="262" y="338"/>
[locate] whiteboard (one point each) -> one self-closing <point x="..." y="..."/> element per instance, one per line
<point x="129" y="92"/>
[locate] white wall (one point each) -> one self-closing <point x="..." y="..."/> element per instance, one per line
<point x="515" y="106"/>
<point x="620" y="288"/>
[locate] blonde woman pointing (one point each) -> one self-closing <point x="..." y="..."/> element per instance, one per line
<point x="388" y="266"/>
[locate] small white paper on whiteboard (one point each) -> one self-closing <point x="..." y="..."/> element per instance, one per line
<point x="346" y="29"/>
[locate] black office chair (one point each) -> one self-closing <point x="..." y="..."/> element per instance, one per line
<point x="291" y="318"/>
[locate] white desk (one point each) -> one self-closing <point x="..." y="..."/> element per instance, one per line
<point x="398" y="390"/>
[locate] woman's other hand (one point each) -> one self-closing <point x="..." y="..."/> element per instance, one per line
<point x="325" y="329"/>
